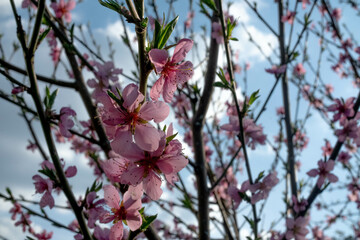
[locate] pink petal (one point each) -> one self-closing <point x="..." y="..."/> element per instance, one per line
<point x="152" y="186"/>
<point x="320" y="181"/>
<point x="170" y="130"/>
<point x="111" y="196"/>
<point x="183" y="72"/>
<point x="181" y="49"/>
<point x="133" y="219"/>
<point x="313" y="173"/>
<point x="116" y="231"/>
<point x="169" y="90"/>
<point x="329" y="165"/>
<point x="134" y="175"/>
<point x="135" y="192"/>
<point x="132" y="97"/>
<point x="165" y="167"/>
<point x="332" y="178"/>
<point x="154" y="110"/>
<point x="147" y="137"/>
<point x="122" y="141"/>
<point x="130" y="203"/>
<point x="47" y="200"/>
<point x="114" y="168"/>
<point x="157" y="88"/>
<point x="159" y="58"/>
<point x="70" y="171"/>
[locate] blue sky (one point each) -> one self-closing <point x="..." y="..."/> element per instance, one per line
<point x="20" y="165"/>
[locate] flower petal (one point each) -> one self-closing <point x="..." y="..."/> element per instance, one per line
<point x="159" y="58"/>
<point x="154" y="110"/>
<point x="111" y="196"/>
<point x="132" y="97"/>
<point x="147" y="137"/>
<point x="152" y="186"/>
<point x="116" y="231"/>
<point x="181" y="49"/>
<point x="157" y="88"/>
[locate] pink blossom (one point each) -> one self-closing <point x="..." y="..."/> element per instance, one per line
<point x="125" y="210"/>
<point x="336" y="13"/>
<point x="65" y="121"/>
<point x="299" y="206"/>
<point x="102" y="234"/>
<point x="70" y="171"/>
<point x="16" y="209"/>
<point x="27" y="3"/>
<point x="217" y="33"/>
<point x="63" y="9"/>
<point x="233" y="192"/>
<point x="44" y="186"/>
<point x="327" y="149"/>
<point x="253" y="133"/>
<point x="43" y="235"/>
<point x="289" y="17"/>
<point x="342" y="109"/>
<point x="323" y="171"/>
<point x="17" y="90"/>
<point x="276" y="69"/>
<point x="349" y="129"/>
<point x="132" y="118"/>
<point x="55" y="54"/>
<point x="297" y="228"/>
<point x="145" y="167"/>
<point x="344" y="157"/>
<point x="304" y="2"/>
<point x="260" y="190"/>
<point x="280" y="111"/>
<point x="31" y="146"/>
<point x="94" y="208"/>
<point x="172" y="72"/>
<point x="328" y="89"/>
<point x="189" y="19"/>
<point x="24" y="221"/>
<point x="300" y="140"/>
<point x="318" y="234"/>
<point x="299" y="70"/>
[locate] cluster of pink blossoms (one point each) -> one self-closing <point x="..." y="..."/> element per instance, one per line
<point x="63" y="9"/>
<point x="141" y="154"/>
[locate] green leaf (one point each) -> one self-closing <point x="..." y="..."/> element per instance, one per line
<point x="52" y="98"/>
<point x="111" y="4"/>
<point x="295" y="55"/>
<point x="187" y="202"/>
<point x="259" y="177"/>
<point x="210" y="4"/>
<point x="115" y="98"/>
<point x="42" y="37"/>
<point x="220" y="85"/>
<point x="147" y="220"/>
<point x="144" y="23"/>
<point x="234" y="39"/>
<point x="168" y="139"/>
<point x="157" y="33"/>
<point x="166" y="32"/>
<point x="251" y="222"/>
<point x="253" y="97"/>
<point x="72" y="33"/>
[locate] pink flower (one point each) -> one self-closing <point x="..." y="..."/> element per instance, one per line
<point x="342" y="109"/>
<point x="102" y="234"/>
<point x="189" y="19"/>
<point x="17" y="90"/>
<point x="55" y="54"/>
<point x="94" y="208"/>
<point x="44" y="186"/>
<point x="299" y="206"/>
<point x="43" y="235"/>
<point x="253" y="133"/>
<point x="125" y="210"/>
<point x="299" y="70"/>
<point x="24" y="221"/>
<point x="172" y="72"/>
<point x="145" y="167"/>
<point x="63" y="9"/>
<point x="276" y="69"/>
<point x="27" y="3"/>
<point x="132" y="119"/>
<point x="65" y="121"/>
<point x="297" y="228"/>
<point x="261" y="190"/>
<point x="304" y="2"/>
<point x="280" y="111"/>
<point x="323" y="172"/>
<point x="350" y="130"/>
<point x="217" y="33"/>
<point x="289" y="17"/>
<point x="328" y="89"/>
<point x="327" y="149"/>
<point x="32" y="146"/>
<point x="16" y="209"/>
<point x="344" y="157"/>
<point x="233" y="192"/>
<point x="336" y="13"/>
